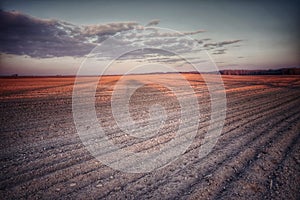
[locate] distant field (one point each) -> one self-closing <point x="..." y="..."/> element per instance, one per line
<point x="256" y="157"/>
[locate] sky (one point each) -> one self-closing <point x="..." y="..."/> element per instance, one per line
<point x="57" y="37"/>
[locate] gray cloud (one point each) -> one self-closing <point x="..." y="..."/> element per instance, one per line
<point x="153" y="22"/>
<point x="221" y="44"/>
<point x="194" y="32"/>
<point x="220" y="51"/>
<point x="160" y="41"/>
<point x="109" y="29"/>
<point x="202" y="40"/>
<point x="25" y="35"/>
<point x="175" y="59"/>
<point x="155" y="33"/>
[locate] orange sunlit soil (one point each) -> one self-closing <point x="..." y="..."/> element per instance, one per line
<point x="256" y="157"/>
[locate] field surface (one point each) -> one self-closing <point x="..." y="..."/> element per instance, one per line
<point x="256" y="157"/>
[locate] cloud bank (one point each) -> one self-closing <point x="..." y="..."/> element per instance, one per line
<point x="22" y="34"/>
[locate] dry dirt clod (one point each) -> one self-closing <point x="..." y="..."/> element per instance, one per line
<point x="271" y="184"/>
<point x="72" y="184"/>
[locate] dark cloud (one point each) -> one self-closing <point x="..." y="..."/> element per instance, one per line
<point x="194" y="32"/>
<point x="199" y="41"/>
<point x="153" y="22"/>
<point x="221" y="44"/>
<point x="176" y="59"/>
<point x="156" y="33"/>
<point x="220" y="51"/>
<point x="202" y="40"/>
<point x="26" y="35"/>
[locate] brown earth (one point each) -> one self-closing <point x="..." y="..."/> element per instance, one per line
<point x="256" y="157"/>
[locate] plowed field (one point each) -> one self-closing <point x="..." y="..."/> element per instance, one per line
<point x="256" y="157"/>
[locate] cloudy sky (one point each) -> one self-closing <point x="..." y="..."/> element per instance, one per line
<point x="55" y="37"/>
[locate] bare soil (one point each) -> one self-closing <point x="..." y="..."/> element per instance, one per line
<point x="256" y="157"/>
